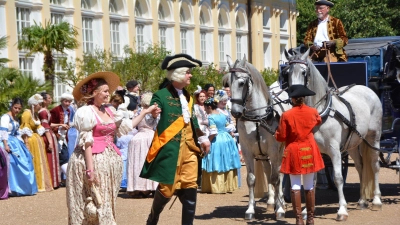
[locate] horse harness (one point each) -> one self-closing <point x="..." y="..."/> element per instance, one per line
<point x="260" y="120"/>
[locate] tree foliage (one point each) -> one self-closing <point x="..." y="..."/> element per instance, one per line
<point x="47" y="40"/>
<point x="361" y="18"/>
<point x="206" y="75"/>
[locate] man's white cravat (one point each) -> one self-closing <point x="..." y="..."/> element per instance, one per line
<point x="185" y="107"/>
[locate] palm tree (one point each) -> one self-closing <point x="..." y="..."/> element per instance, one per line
<point x="3" y="45"/>
<point x="47" y="40"/>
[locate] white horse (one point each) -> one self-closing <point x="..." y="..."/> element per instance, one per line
<point x="253" y="105"/>
<point x="334" y="135"/>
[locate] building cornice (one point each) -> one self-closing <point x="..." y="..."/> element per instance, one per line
<point x="36" y="6"/>
<point x="187" y="26"/>
<point x="165" y="23"/>
<point x="145" y="21"/>
<point x="206" y="29"/>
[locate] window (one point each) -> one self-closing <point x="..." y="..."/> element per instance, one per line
<point x="56" y="18"/>
<point x="266" y="20"/>
<point x="25" y="65"/>
<point x="283" y="19"/>
<point x="59" y="88"/>
<point x="23" y="20"/>
<point x="220" y="23"/>
<point x="114" y="34"/>
<point x="138" y="10"/>
<point x="283" y="57"/>
<point x="87" y="34"/>
<point x="182" y="16"/>
<point x="238" y="23"/>
<point x="55" y="2"/>
<point x="163" y="37"/>
<point x="160" y="13"/>
<point x="183" y="41"/>
<point x="203" y="46"/>
<point x="139" y="38"/>
<point x="221" y="47"/>
<point x="238" y="47"/>
<point x="202" y="21"/>
<point x="85" y="4"/>
<point x="112" y="6"/>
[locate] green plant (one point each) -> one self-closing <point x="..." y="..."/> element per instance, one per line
<point x="204" y="75"/>
<point x="270" y="75"/>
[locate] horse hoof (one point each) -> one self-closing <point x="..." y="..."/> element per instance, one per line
<point x="341" y="217"/>
<point x="362" y="206"/>
<point x="280" y="215"/>
<point x="249" y="216"/>
<point x="270" y="207"/>
<point x="376" y="207"/>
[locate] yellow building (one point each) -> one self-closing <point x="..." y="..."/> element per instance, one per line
<point x="206" y="29"/>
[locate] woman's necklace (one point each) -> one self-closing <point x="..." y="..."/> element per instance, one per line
<point x="99" y="108"/>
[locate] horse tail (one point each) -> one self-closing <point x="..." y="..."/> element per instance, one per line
<point x="369" y="159"/>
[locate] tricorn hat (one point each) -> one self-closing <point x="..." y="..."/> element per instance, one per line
<point x="178" y="61"/>
<point x="322" y="2"/>
<point x="299" y="90"/>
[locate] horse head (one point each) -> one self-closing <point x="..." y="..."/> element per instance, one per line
<point x="248" y="89"/>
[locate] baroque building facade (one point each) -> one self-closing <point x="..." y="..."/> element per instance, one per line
<point x="206" y="29"/>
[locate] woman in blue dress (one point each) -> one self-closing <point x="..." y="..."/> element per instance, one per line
<point x="221" y="164"/>
<point x="22" y="180"/>
<point x="72" y="133"/>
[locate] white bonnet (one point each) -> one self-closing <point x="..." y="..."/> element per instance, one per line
<point x="35" y="99"/>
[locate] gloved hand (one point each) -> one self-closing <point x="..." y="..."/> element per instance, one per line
<point x="330" y="44"/>
<point x="315" y="48"/>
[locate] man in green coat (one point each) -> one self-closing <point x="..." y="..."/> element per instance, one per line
<point x="172" y="159"/>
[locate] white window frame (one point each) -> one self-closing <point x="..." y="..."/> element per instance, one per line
<point x="203" y="46"/>
<point x="23" y="19"/>
<point x="163" y="37"/>
<point x="56" y="2"/>
<point x="25" y="65"/>
<point x="221" y="45"/>
<point x="87" y="34"/>
<point x="139" y="38"/>
<point x="115" y="37"/>
<point x="183" y="41"/>
<point x="238" y="47"/>
<point x="56" y="18"/>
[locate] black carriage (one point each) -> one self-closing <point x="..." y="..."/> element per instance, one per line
<point x="374" y="62"/>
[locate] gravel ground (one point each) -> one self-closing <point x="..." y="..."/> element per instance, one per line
<point x="50" y="208"/>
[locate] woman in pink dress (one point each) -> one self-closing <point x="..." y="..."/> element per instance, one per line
<point x="137" y="153"/>
<point x="50" y="141"/>
<point x="95" y="168"/>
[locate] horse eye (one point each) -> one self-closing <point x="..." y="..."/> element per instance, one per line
<point x="304" y="73"/>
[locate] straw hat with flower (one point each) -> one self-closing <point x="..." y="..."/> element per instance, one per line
<point x="88" y="84"/>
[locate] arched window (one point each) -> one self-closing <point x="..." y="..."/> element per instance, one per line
<point x="238" y="23"/>
<point x="138" y="10"/>
<point x="55" y="2"/>
<point x="202" y="21"/>
<point x="220" y="23"/>
<point x="112" y="6"/>
<point x="85" y="4"/>
<point x="182" y="16"/>
<point x="161" y="15"/>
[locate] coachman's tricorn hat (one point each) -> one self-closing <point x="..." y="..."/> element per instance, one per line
<point x="321" y="2"/>
<point x="299" y="90"/>
<point x="178" y="61"/>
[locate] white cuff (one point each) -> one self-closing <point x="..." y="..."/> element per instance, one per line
<point x="203" y="139"/>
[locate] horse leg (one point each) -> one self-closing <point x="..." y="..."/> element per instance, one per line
<point x="276" y="183"/>
<point x="251" y="180"/>
<point x="337" y="168"/>
<point x="355" y="155"/>
<point x="375" y="167"/>
<point x="271" y="190"/>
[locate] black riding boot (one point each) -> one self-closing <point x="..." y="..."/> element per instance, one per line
<point x="188" y="199"/>
<point x="159" y="203"/>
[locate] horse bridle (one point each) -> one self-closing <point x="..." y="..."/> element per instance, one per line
<point x="242" y="101"/>
<point x="299" y="61"/>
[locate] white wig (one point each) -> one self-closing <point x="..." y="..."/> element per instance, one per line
<point x="146" y="98"/>
<point x="177" y="74"/>
<point x="67" y="96"/>
<point x="35" y="99"/>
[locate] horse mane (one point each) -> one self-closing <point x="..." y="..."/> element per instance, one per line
<point x="258" y="82"/>
<point x="316" y="83"/>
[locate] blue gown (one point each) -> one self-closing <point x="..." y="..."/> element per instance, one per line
<point x="122" y="144"/>
<point x="72" y="132"/>
<point x="223" y="155"/>
<point x="22" y="180"/>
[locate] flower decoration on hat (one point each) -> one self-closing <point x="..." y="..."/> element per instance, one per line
<point x="211" y="100"/>
<point x="220" y="95"/>
<point x="89" y="87"/>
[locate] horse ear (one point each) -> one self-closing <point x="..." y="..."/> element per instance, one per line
<point x="244" y="58"/>
<point x="305" y="55"/>
<point x="287" y="55"/>
<point x="230" y="61"/>
<point x="242" y="63"/>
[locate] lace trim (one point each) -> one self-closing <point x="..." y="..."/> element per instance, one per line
<point x="26" y="131"/>
<point x="3" y="135"/>
<point x="41" y="131"/>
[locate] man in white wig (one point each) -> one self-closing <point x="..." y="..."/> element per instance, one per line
<point x="60" y="117"/>
<point x="173" y="155"/>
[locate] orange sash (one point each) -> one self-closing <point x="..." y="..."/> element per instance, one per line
<point x="166" y="135"/>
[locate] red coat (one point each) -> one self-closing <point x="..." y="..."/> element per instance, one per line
<point x="301" y="155"/>
<point x="57" y="117"/>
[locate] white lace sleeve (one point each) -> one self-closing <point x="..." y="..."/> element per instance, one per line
<point x="41" y="130"/>
<point x="26" y="131"/>
<point x="84" y="121"/>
